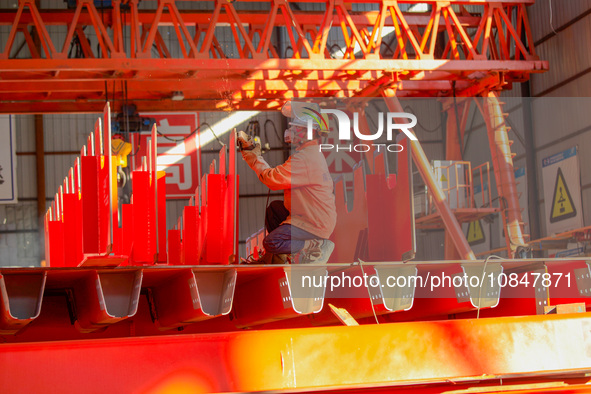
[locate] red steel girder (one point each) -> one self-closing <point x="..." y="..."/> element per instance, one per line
<point x="445" y="43"/>
<point x="367" y="18"/>
<point x="409" y="356"/>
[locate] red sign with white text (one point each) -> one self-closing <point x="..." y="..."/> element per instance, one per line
<point x="178" y="151"/>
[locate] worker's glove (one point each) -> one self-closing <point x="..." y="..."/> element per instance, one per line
<point x="257" y="149"/>
<point x="251" y="154"/>
<point x="245" y="141"/>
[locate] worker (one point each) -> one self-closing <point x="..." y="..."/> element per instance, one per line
<point x="305" y="219"/>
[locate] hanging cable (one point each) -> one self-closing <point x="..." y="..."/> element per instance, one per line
<point x="191" y="134"/>
<point x="126" y="111"/>
<point x="279" y="138"/>
<point x="551" y="25"/>
<point x="138" y="145"/>
<point x="332" y="53"/>
<point x="428" y="130"/>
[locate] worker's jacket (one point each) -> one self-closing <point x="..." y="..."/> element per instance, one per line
<point x="307" y="186"/>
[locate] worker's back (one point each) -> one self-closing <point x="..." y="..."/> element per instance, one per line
<point x="311" y="199"/>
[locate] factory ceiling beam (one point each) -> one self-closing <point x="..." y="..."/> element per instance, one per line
<point x="336" y="51"/>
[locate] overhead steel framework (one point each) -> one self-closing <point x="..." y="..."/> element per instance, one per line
<point x="470" y="46"/>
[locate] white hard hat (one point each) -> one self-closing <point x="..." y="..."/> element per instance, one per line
<point x="301" y="113"/>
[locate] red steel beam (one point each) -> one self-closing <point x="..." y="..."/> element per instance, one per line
<point x="190" y="67"/>
<point x="160" y="87"/>
<point x="368" y="18"/>
<point x="396" y="355"/>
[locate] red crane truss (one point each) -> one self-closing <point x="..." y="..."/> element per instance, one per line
<point x="467" y="45"/>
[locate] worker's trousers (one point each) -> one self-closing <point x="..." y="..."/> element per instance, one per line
<point x="283" y="238"/>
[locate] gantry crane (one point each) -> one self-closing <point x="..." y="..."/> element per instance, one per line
<point x="448" y="49"/>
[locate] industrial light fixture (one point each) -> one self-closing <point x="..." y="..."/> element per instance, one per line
<point x="177" y="96"/>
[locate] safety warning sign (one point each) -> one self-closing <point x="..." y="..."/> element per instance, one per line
<point x="562" y="192"/>
<point x="478" y="231"/>
<point x="563" y="206"/>
<point x="475" y="234"/>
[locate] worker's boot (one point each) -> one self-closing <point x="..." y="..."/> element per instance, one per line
<point x="281" y="258"/>
<point x="316" y="251"/>
<point x="270" y="258"/>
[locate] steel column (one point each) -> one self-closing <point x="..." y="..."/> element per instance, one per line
<point x="453" y="151"/>
<point x="530" y="163"/>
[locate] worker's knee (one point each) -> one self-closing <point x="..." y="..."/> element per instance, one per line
<point x="273" y="244"/>
<point x="278" y="241"/>
<point x="269" y="244"/>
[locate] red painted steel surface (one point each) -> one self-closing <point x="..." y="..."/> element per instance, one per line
<point x="80" y="225"/>
<point x="425" y="355"/>
<point x="348" y="234"/>
<point x="209" y="224"/>
<point x="83" y="226"/>
<point x="261" y="298"/>
<point x="144" y="223"/>
<point x="89" y="174"/>
<point x="174" y="247"/>
<point x="379" y="225"/>
<point x="21" y="295"/>
<point x="390" y="215"/>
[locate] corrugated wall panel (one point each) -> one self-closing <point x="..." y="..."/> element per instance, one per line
<point x="55" y="4"/>
<point x="25" y="136"/>
<point x="567" y="54"/>
<point x="27" y="176"/>
<point x="67" y="132"/>
<point x="430" y="245"/>
<point x="558" y="117"/>
<point x="174" y="210"/>
<point x="9" y="3"/>
<point x="562" y="12"/>
<point x="512" y="91"/>
<point x="19" y="249"/>
<point x="580" y="87"/>
<point x="26" y="164"/>
<point x="56" y="169"/>
<point x="22" y="248"/>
